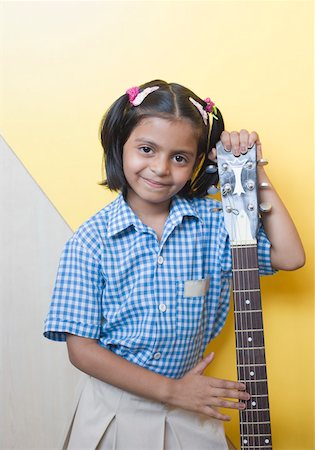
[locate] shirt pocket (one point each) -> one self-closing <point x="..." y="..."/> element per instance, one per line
<point x="191" y="295"/>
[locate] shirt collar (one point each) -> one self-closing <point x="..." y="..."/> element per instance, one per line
<point x="180" y="208"/>
<point x="123" y="217"/>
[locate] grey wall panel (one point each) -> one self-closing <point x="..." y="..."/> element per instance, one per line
<point x="37" y="381"/>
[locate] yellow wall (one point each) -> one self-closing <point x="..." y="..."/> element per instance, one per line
<point x="63" y="63"/>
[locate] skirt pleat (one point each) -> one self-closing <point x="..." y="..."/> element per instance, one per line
<point x="108" y="418"/>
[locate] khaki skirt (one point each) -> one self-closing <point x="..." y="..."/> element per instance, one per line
<point x="108" y="418"/>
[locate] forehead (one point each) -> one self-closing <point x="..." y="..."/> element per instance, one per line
<point x="176" y="133"/>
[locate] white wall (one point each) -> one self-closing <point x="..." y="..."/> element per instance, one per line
<point x="37" y="381"/>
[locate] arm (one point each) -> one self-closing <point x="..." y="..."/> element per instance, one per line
<point x="194" y="392"/>
<point x="287" y="252"/>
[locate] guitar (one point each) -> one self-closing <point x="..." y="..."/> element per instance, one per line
<point x="237" y="177"/>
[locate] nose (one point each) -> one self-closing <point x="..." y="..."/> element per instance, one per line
<point x="160" y="166"/>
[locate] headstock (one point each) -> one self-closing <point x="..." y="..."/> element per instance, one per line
<point x="238" y="183"/>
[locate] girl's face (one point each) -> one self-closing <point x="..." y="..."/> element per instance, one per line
<point x="158" y="159"/>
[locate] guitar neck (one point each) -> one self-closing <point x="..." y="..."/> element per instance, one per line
<point x="250" y="349"/>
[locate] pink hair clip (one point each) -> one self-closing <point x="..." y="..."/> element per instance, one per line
<point x="211" y="108"/>
<point x="203" y="113"/>
<point x="136" y="97"/>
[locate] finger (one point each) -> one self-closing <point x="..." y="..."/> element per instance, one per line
<point x="244" y="139"/>
<point x="211" y="412"/>
<point x="212" y="154"/>
<point x="202" y="365"/>
<point x="226" y="140"/>
<point x="223" y="403"/>
<point x="235" y="142"/>
<point x="230" y="393"/>
<point x="226" y="384"/>
<point x="258" y="150"/>
<point x="253" y="138"/>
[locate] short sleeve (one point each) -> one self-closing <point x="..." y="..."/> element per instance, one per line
<point x="263" y="252"/>
<point x="76" y="301"/>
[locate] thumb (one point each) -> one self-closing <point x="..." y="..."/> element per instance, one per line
<point x="203" y="364"/>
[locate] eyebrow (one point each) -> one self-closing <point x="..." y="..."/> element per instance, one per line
<point x="154" y="144"/>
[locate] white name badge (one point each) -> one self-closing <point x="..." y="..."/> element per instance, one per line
<point x="196" y="288"/>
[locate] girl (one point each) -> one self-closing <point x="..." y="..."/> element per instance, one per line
<point x="143" y="285"/>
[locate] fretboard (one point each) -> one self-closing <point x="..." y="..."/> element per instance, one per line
<point x="255" y="426"/>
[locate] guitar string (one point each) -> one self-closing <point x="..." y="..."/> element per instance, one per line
<point x="238" y="316"/>
<point x="247" y="263"/>
<point x="244" y="425"/>
<point x="249" y="277"/>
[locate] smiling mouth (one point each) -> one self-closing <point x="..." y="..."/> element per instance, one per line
<point x="154" y="183"/>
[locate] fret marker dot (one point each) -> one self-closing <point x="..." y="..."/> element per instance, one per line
<point x="266" y="441"/>
<point x="249" y="339"/>
<point x="245" y="441"/>
<point x="251" y="373"/>
<point x="253" y="403"/>
<point x="247" y="302"/>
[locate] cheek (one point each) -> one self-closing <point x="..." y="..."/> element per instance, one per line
<point x="131" y="162"/>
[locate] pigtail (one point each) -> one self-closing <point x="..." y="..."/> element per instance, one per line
<point x="203" y="180"/>
<point x="112" y="139"/>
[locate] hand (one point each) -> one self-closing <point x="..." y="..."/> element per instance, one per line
<point x="238" y="143"/>
<point x="202" y="394"/>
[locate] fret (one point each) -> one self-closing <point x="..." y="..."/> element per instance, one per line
<point x="250" y="330"/>
<point x="245" y="290"/>
<point x="245" y="270"/>
<point x="266" y="447"/>
<point x="267" y="422"/>
<point x="250" y="365"/>
<point x="252" y="381"/>
<point x="243" y="246"/>
<point x="250" y="348"/>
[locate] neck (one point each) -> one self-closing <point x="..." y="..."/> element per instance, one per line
<point x="153" y="215"/>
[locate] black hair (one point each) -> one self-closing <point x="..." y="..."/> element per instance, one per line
<point x="170" y="101"/>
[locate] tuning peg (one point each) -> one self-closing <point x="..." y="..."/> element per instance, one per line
<point x="264" y="185"/>
<point x="211" y="168"/>
<point x="265" y="207"/>
<point x="250" y="184"/>
<point x="212" y="190"/>
<point x="262" y="162"/>
<point x="227" y="188"/>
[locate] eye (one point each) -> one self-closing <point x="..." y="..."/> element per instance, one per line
<point x="180" y="159"/>
<point x="145" y="149"/>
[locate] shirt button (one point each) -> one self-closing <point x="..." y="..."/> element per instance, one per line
<point x="162" y="307"/>
<point x="157" y="355"/>
<point x="160" y="259"/>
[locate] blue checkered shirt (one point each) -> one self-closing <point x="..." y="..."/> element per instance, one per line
<point x="118" y="284"/>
